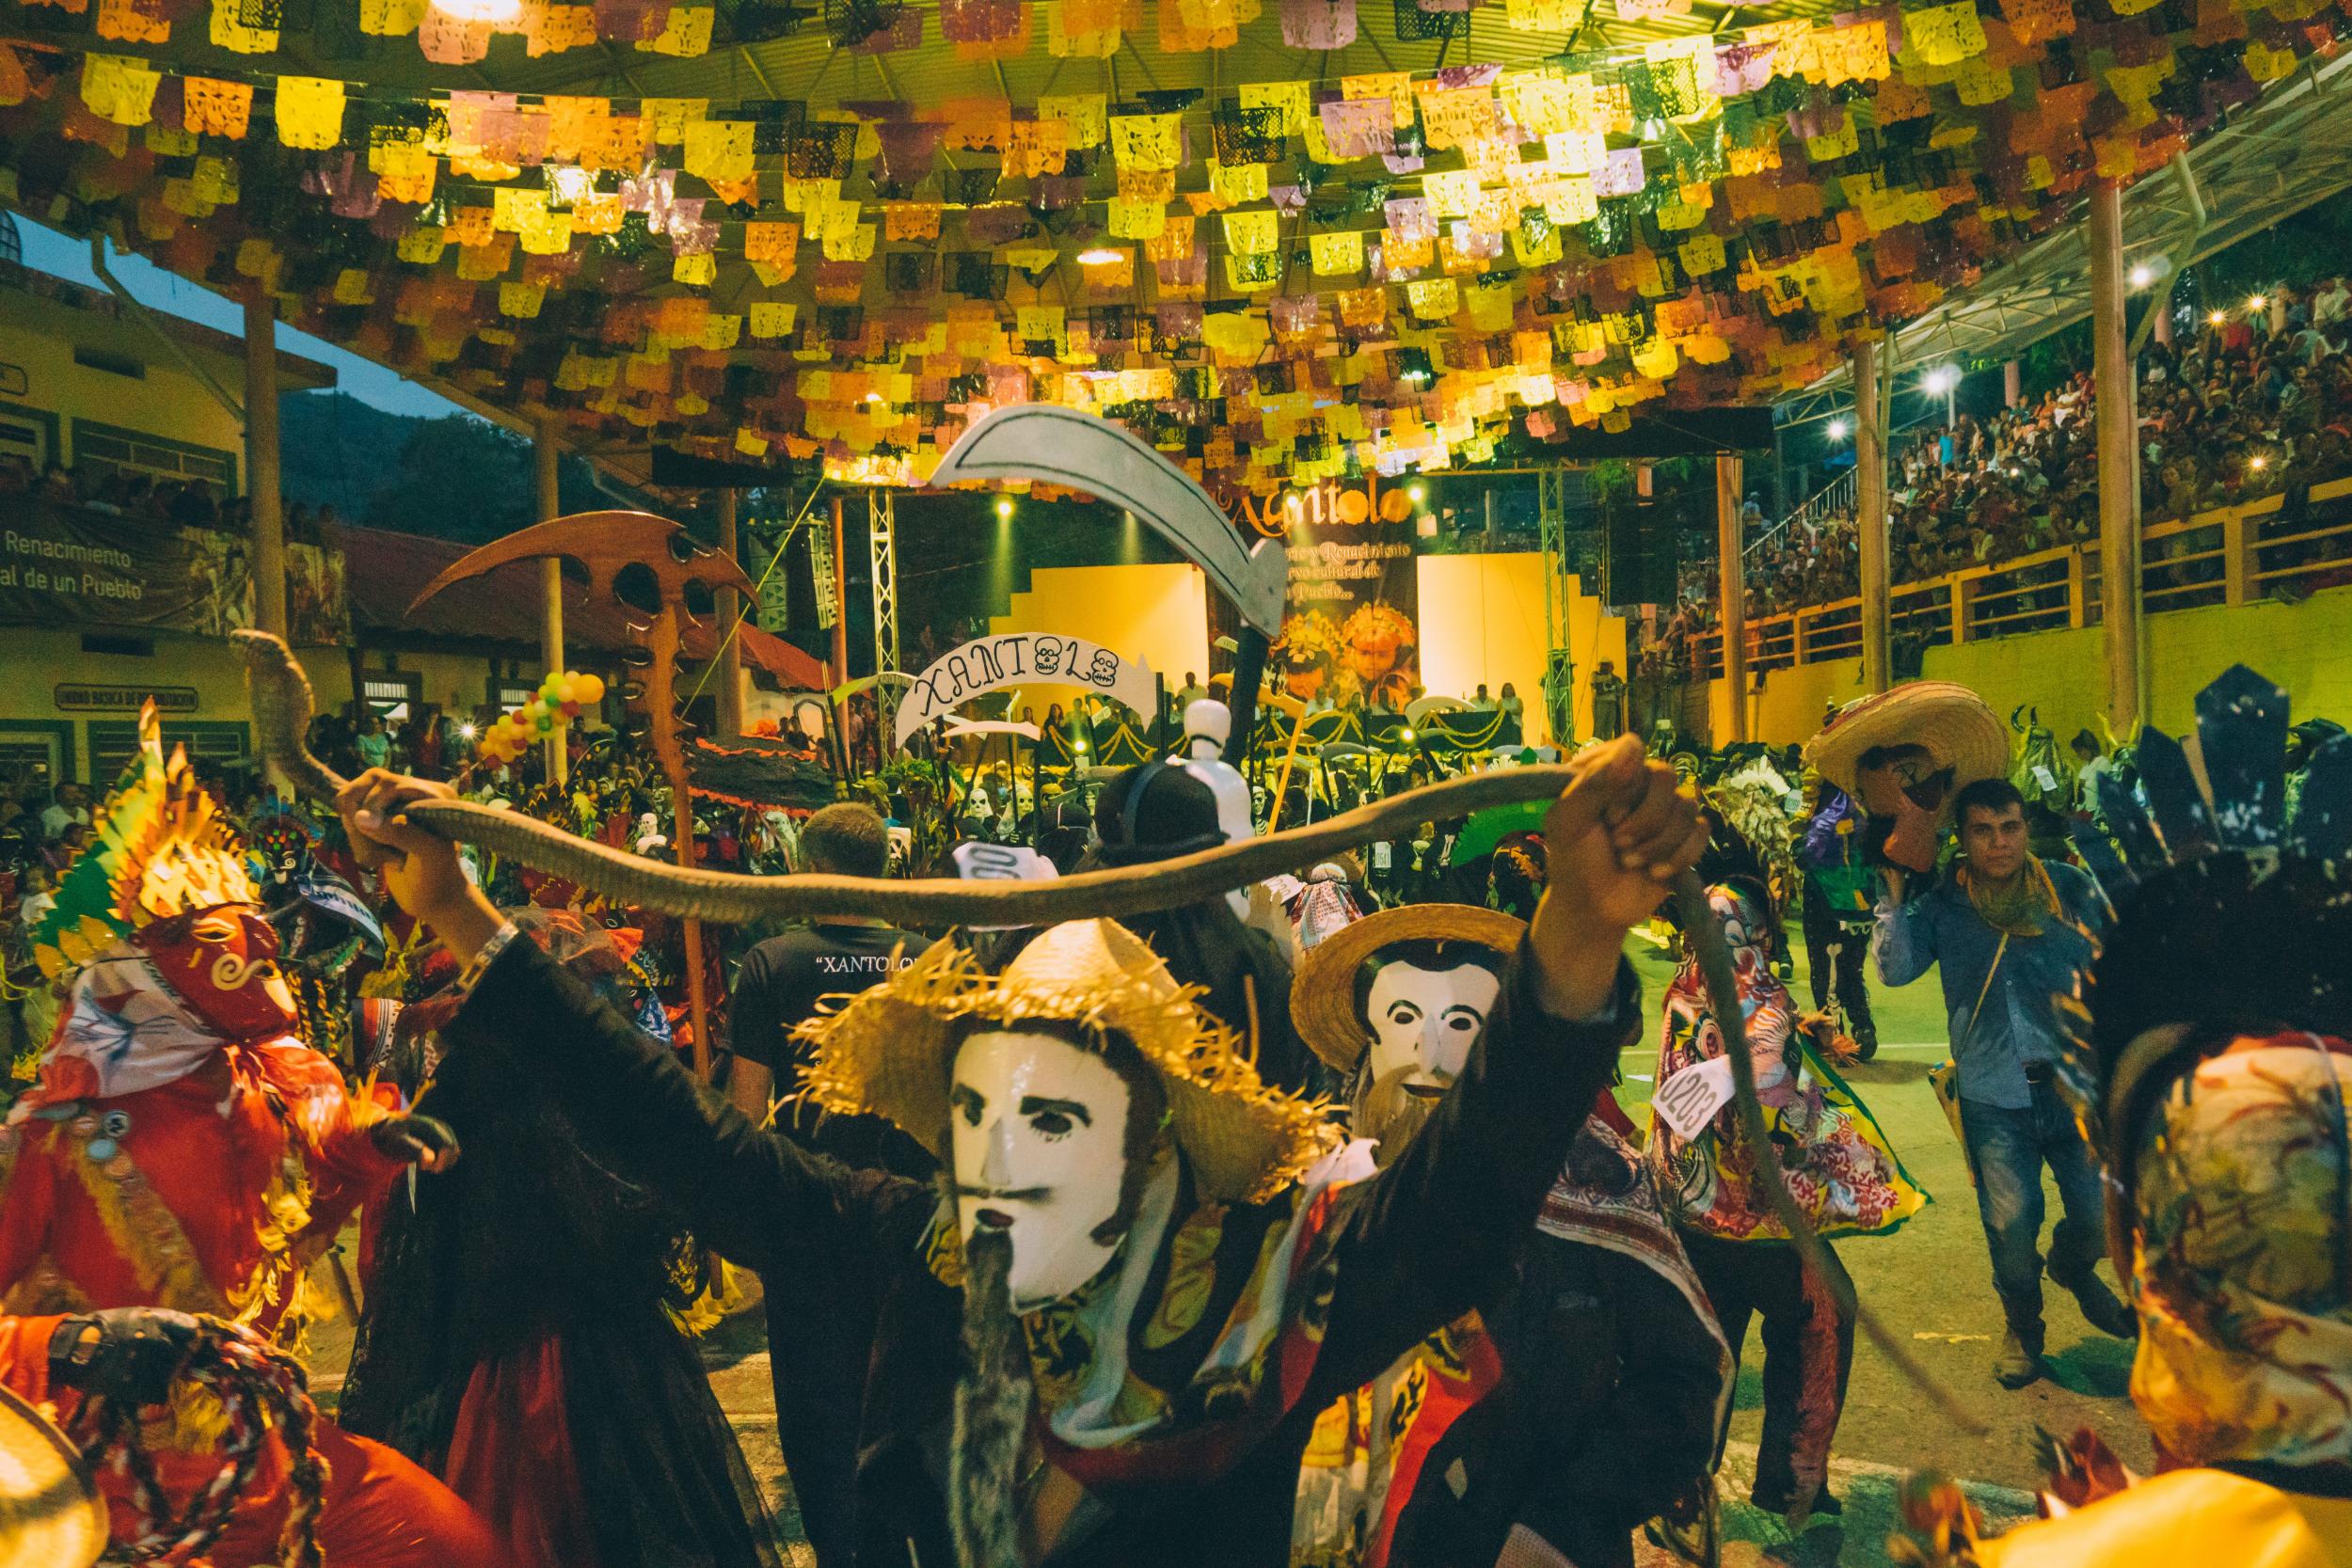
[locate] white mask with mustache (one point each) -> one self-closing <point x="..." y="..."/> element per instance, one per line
<point x="1425" y="1022"/>
<point x="1039" y="1153"/>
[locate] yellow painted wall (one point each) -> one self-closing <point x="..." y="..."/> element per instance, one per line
<point x="1481" y="620"/>
<point x="2306" y="648"/>
<point x="39" y="336"/>
<point x="1159" y="614"/>
<point x="35" y="659"/>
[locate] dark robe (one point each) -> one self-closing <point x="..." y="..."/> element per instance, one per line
<point x="1396" y="1257"/>
<point x="516" y="1341"/>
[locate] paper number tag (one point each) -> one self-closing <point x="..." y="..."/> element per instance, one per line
<point x="2044" y="778"/>
<point x="1690" y="1098"/>
<point x="1380" y="855"/>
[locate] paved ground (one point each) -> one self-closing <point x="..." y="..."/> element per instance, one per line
<point x="1929" y="1283"/>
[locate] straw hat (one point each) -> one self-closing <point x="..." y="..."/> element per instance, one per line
<point x="1950" y="721"/>
<point x="50" y="1515"/>
<point x="887" y="1052"/>
<point x="1323" y="996"/>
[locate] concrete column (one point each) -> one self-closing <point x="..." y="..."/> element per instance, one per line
<point x="2012" y="385"/>
<point x="2162" y="307"/>
<point x="1732" y="584"/>
<point x="544" y="452"/>
<point x="730" y="616"/>
<point x="2118" y="463"/>
<point x="1869" y="450"/>
<point x="268" y="550"/>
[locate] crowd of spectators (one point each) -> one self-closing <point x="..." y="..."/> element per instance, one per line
<point x="117" y="491"/>
<point x="2257" y="402"/>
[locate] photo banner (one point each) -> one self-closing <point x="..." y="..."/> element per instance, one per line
<point x="67" y="565"/>
<point x="1351" y="613"/>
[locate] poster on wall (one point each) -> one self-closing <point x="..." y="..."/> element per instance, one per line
<point x="1351" y="611"/>
<point x="65" y="565"/>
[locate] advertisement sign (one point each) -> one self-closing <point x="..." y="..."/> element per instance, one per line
<point x="1351" y="611"/>
<point x="62" y="565"/>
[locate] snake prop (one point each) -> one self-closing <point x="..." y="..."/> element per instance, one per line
<point x="282" y="705"/>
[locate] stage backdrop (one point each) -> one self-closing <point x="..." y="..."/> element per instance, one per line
<point x="1351" y="613"/>
<point x="1483" y="620"/>
<point x="1158" y="614"/>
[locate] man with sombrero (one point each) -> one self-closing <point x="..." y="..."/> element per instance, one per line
<point x="2005" y="931"/>
<point x="1533" y="1421"/>
<point x="1108" y="1336"/>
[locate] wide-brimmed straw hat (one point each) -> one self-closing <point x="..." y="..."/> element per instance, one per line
<point x="887" y="1052"/>
<point x="1950" y="721"/>
<point x="1323" y="995"/>
<point x="50" y="1514"/>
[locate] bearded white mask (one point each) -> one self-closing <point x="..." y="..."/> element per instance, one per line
<point x="1425" y="1022"/>
<point x="1040" y="1135"/>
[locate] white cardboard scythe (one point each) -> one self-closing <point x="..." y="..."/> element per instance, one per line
<point x="1085" y="452"/>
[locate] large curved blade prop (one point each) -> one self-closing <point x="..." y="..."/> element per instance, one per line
<point x="1085" y="452"/>
<point x="281" y="718"/>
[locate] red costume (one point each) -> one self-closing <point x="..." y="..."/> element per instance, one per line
<point x="184" y="1149"/>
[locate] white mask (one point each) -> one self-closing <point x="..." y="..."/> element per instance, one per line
<point x="1425" y="1022"/>
<point x="1039" y="1151"/>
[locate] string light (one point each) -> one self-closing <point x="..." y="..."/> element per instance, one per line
<point x="1838" y="430"/>
<point x="496" y="13"/>
<point x="2142" y="275"/>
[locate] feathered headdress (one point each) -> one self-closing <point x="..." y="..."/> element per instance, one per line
<point x="2229" y="917"/>
<point x="158" y="847"/>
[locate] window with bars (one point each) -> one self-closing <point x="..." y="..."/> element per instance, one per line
<point x="224" y="743"/>
<point x="389" y="694"/>
<point x="23" y="438"/>
<point x="30" y="754"/>
<point x="104" y="449"/>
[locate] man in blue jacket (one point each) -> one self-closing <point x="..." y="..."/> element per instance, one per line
<point x="2010" y="932"/>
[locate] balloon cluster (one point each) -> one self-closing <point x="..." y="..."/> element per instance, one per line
<point x="561" y="698"/>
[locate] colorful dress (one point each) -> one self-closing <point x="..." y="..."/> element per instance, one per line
<point x="1839" y="1166"/>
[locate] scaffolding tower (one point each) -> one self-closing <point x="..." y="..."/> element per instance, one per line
<point x="1551" y="522"/>
<point x="882" y="535"/>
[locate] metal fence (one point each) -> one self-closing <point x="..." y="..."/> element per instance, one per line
<point x="2284" y="546"/>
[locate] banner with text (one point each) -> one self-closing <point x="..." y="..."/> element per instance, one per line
<point x="989" y="664"/>
<point x="63" y="565"/>
<point x="1351" y="613"/>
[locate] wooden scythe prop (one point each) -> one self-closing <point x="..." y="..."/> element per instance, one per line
<point x="1085" y="452"/>
<point x="607" y="543"/>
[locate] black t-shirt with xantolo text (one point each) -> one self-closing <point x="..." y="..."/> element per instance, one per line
<point x="778" y="987"/>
